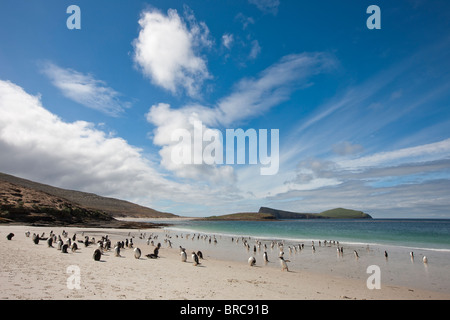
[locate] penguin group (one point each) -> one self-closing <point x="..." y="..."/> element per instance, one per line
<point x="102" y="245"/>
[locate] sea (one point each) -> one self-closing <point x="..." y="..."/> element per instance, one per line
<point x="428" y="234"/>
<point x="405" y="241"/>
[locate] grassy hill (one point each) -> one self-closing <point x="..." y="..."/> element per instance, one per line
<point x="25" y="201"/>
<point x="90" y="201"/>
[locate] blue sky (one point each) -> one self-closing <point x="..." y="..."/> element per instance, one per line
<point x="363" y="115"/>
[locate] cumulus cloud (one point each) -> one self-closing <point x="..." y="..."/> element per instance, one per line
<point x="85" y="89"/>
<point x="168" y="122"/>
<point x="166" y="50"/>
<point x="38" y="145"/>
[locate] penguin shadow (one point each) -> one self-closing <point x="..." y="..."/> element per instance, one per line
<point x="200" y="266"/>
<point x="290" y="271"/>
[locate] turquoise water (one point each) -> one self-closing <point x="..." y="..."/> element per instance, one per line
<point x="414" y="233"/>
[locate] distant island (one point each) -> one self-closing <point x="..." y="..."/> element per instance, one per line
<point x="268" y="214"/>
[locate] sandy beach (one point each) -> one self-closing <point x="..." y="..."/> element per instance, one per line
<point x="35" y="271"/>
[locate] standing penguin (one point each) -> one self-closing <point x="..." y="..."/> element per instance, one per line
<point x="283" y="264"/>
<point x="117" y="250"/>
<point x="10" y="236"/>
<point x="195" y="258"/>
<point x="137" y="253"/>
<point x="251" y="261"/>
<point x="64" y="248"/>
<point x="265" y="257"/>
<point x="50" y="242"/>
<point x="183" y="255"/>
<point x="97" y="254"/>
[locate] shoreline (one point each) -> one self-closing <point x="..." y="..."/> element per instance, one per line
<point x="30" y="271"/>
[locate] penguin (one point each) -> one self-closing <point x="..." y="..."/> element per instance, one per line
<point x="36" y="239"/>
<point x="27" y="234"/>
<point x="200" y="254"/>
<point x="412" y="256"/>
<point x="183" y="256"/>
<point x="137" y="253"/>
<point x="64" y="248"/>
<point x="10" y="236"/>
<point x="251" y="261"/>
<point x="356" y="254"/>
<point x="425" y="259"/>
<point x="74" y="247"/>
<point x="153" y="255"/>
<point x="266" y="259"/>
<point x="117" y="250"/>
<point x="97" y="254"/>
<point x="50" y="242"/>
<point x="386" y="255"/>
<point x="195" y="258"/>
<point x="60" y="243"/>
<point x="283" y="264"/>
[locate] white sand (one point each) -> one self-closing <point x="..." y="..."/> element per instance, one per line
<point x="30" y="271"/>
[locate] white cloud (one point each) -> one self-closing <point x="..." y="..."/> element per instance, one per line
<point x="426" y="152"/>
<point x="227" y="40"/>
<point x="36" y="144"/>
<point x="165" y="50"/>
<point x="266" y="6"/>
<point x="255" y="51"/>
<point x="85" y="90"/>
<point x="167" y="122"/>
<point x="250" y="98"/>
<point x="254" y="96"/>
